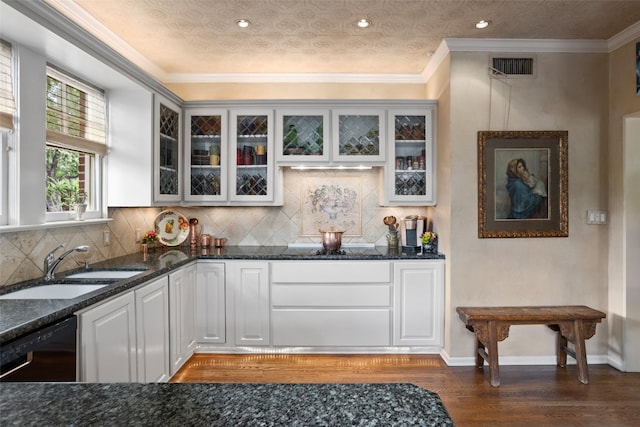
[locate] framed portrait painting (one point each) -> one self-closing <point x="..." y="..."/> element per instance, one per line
<point x="523" y="184"/>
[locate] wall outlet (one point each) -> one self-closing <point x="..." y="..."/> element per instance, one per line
<point x="106" y="237"/>
<point x="138" y="235"/>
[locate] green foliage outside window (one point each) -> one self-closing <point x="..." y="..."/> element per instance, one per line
<point x="65" y="115"/>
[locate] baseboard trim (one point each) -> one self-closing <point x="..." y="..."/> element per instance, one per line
<point x="524" y="360"/>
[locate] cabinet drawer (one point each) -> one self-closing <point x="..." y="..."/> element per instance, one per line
<point x="331" y="272"/>
<point x="320" y="328"/>
<point x="334" y="295"/>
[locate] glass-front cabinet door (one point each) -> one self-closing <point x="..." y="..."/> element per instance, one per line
<point x="251" y="144"/>
<point x="167" y="148"/>
<point x="206" y="159"/>
<point x="358" y="135"/>
<point x="410" y="170"/>
<point x="300" y="136"/>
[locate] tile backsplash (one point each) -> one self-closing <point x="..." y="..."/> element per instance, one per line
<point x="22" y="252"/>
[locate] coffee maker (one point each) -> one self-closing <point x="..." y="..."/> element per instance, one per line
<point x="414" y="226"/>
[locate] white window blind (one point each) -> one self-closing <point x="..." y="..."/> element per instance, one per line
<point x="7" y="101"/>
<point x="75" y="114"/>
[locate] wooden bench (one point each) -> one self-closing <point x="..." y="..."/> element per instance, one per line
<point x="573" y="323"/>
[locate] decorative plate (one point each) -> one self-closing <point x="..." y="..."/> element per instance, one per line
<point x="172" y="228"/>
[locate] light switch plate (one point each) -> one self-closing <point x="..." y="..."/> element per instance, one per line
<point x="596" y="217"/>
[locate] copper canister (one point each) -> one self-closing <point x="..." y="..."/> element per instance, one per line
<point x="205" y="240"/>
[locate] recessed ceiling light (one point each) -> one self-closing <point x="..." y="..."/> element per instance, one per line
<point x="482" y="24"/>
<point x="243" y="23"/>
<point x="364" y="23"/>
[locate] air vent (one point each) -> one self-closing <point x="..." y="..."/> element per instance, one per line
<point x="513" y="67"/>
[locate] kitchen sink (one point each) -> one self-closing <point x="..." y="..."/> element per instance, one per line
<point x="105" y="274"/>
<point x="57" y="291"/>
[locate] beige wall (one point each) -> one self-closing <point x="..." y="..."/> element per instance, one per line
<point x="569" y="93"/>
<point x="624" y="286"/>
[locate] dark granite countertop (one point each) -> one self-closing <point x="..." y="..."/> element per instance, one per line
<point x="20" y="317"/>
<point x="58" y="404"/>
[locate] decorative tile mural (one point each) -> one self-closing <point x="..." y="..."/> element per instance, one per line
<point x="331" y="203"/>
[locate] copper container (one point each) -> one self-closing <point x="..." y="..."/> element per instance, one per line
<point x="205" y="240"/>
<point x="219" y="242"/>
<point x="331" y="240"/>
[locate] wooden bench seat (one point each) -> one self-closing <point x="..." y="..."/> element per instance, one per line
<point x="573" y="323"/>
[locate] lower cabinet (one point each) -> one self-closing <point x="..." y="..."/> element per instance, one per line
<point x="249" y="282"/>
<point x="126" y="338"/>
<point x="182" y="310"/>
<point x="419" y="303"/>
<point x="211" y="302"/>
<point x="340" y="306"/>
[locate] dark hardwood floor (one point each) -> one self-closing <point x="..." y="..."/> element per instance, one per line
<point x="527" y="396"/>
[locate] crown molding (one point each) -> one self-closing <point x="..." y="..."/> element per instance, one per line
<point x="527" y="45"/>
<point x="295" y="78"/>
<point x="623" y="37"/>
<point x="438" y="57"/>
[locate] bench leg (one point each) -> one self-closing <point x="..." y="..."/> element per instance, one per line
<point x="561" y="351"/>
<point x="480" y="350"/>
<point x="581" y="352"/>
<point x="494" y="370"/>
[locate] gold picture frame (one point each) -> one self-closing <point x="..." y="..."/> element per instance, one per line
<point x="523" y="184"/>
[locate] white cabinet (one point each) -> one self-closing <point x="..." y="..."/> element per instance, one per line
<point x="419" y="303"/>
<point x="130" y="160"/>
<point x="152" y="327"/>
<point x="182" y="309"/>
<point x="206" y="155"/>
<point x="252" y="176"/>
<point x="302" y="136"/>
<point x="332" y="303"/>
<point x="167" y="151"/>
<point x="410" y="172"/>
<point x="358" y="135"/>
<point x="249" y="282"/>
<point x="108" y="341"/>
<point x="210" y="302"/>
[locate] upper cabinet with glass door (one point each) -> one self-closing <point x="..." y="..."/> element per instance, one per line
<point x="167" y="157"/>
<point x="410" y="170"/>
<point x="358" y="135"/>
<point x="206" y="154"/>
<point x="300" y="136"/>
<point x="251" y="166"/>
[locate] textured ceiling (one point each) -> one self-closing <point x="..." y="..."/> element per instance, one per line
<point x="320" y="36"/>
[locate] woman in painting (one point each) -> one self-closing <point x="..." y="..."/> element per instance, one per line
<point x="524" y="202"/>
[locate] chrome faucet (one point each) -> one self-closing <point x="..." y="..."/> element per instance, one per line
<point x="50" y="261"/>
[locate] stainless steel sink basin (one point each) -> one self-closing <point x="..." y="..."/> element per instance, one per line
<point x="57" y="291"/>
<point x="105" y="274"/>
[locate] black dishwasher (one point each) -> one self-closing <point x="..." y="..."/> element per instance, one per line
<point x="46" y="355"/>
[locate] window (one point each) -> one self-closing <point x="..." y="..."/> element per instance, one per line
<point x="7" y="111"/>
<point x="76" y="142"/>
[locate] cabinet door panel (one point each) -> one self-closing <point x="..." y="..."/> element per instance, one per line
<point x="207" y="155"/>
<point x="320" y="328"/>
<point x="251" y="294"/>
<point x="182" y="311"/>
<point x="167" y="152"/>
<point x="152" y="325"/>
<point x="419" y="303"/>
<point x="108" y="342"/>
<point x="210" y="303"/>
